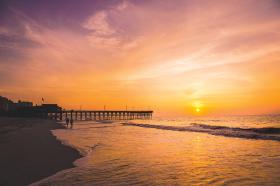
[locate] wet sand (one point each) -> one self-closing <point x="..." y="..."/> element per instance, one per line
<point x="29" y="152"/>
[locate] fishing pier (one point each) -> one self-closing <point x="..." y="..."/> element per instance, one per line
<point x="100" y="115"/>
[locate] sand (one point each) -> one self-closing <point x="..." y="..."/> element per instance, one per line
<point x="29" y="152"/>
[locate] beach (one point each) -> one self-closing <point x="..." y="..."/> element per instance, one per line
<point x="29" y="152"/>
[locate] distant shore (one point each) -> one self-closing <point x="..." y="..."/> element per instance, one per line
<point x="29" y="152"/>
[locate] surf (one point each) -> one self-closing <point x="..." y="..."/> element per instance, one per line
<point x="236" y="132"/>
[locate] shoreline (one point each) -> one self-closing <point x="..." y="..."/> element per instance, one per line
<point x="30" y="152"/>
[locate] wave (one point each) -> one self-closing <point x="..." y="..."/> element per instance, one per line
<point x="247" y="133"/>
<point x="81" y="151"/>
<point x="105" y="121"/>
<point x="265" y="130"/>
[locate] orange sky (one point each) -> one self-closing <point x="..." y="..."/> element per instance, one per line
<point x="175" y="57"/>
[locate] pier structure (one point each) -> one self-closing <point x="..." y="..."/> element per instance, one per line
<point x="100" y="115"/>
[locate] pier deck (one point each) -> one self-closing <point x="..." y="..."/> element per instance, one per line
<point x="100" y="115"/>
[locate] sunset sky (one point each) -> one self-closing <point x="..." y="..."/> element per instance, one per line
<point x="177" y="57"/>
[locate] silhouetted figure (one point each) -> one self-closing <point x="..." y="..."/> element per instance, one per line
<point x="71" y="123"/>
<point x="67" y="122"/>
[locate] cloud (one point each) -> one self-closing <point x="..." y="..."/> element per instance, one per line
<point x="122" y="5"/>
<point x="102" y="33"/>
<point x="98" y="24"/>
<point x="14" y="42"/>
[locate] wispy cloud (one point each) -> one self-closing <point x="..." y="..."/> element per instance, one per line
<point x="98" y="24"/>
<point x="103" y="32"/>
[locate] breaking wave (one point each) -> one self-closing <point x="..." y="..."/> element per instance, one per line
<point x="247" y="133"/>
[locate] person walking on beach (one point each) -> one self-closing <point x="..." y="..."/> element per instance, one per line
<point x="71" y="123"/>
<point x="67" y="122"/>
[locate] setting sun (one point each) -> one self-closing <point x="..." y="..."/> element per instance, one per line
<point x="197" y="110"/>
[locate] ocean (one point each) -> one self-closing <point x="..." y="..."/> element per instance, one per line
<point x="232" y="150"/>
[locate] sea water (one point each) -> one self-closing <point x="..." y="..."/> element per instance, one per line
<point x="233" y="150"/>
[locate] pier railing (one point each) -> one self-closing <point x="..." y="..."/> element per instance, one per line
<point x="100" y="115"/>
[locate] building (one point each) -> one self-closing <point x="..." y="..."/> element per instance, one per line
<point x="6" y="104"/>
<point x="24" y="104"/>
<point x="25" y="108"/>
<point x="50" y="108"/>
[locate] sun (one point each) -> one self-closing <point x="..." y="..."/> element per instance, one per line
<point x="197" y="107"/>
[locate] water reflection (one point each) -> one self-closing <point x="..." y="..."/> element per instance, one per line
<point x="127" y="155"/>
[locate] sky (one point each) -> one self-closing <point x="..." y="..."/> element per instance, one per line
<point x="176" y="57"/>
